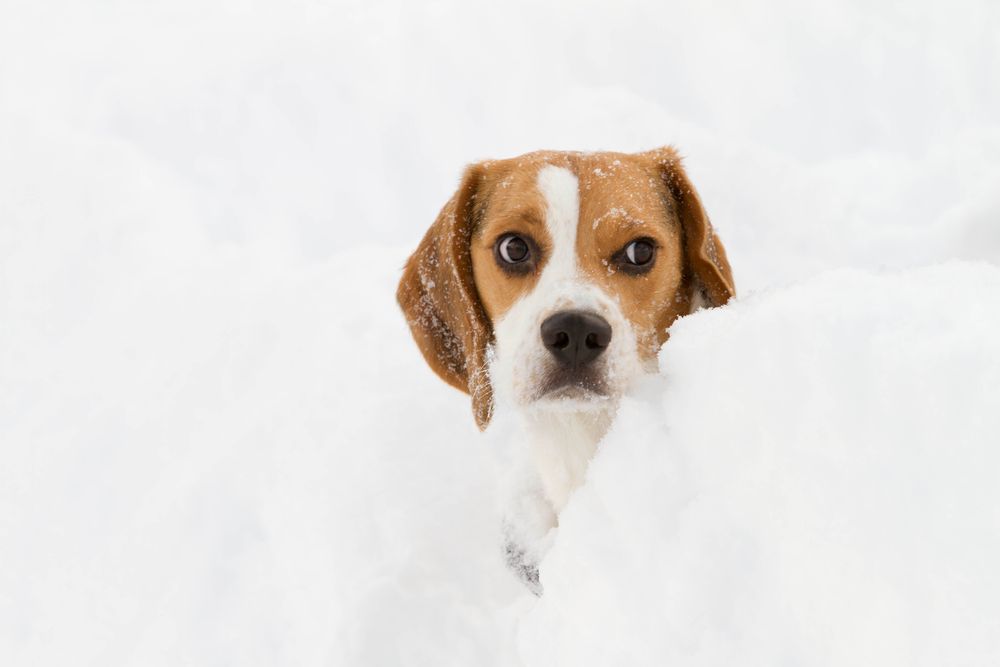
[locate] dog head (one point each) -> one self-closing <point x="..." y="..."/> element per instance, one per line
<point x="549" y="281"/>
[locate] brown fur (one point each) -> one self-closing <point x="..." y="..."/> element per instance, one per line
<point x="452" y="288"/>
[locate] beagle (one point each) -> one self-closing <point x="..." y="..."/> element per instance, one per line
<point x="545" y="287"/>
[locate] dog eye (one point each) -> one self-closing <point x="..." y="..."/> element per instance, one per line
<point x="513" y="249"/>
<point x="639" y="252"/>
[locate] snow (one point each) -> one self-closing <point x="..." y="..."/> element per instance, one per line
<point x="222" y="447"/>
<point x="813" y="481"/>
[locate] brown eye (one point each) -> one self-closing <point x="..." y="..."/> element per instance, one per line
<point x="639" y="252"/>
<point x="512" y="249"/>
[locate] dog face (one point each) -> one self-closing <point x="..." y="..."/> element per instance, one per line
<point x="550" y="280"/>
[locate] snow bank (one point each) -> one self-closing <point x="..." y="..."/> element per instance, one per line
<point x="813" y="480"/>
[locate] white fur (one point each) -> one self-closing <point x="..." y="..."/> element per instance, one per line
<point x="561" y="435"/>
<point x="562" y="444"/>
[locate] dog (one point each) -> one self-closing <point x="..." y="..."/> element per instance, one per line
<point x="545" y="288"/>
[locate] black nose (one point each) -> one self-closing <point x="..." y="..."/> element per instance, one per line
<point x="576" y="337"/>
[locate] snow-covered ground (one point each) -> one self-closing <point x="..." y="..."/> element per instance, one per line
<point x="219" y="445"/>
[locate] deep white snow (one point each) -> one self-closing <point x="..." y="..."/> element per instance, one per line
<point x="221" y="447"/>
<point x="813" y="481"/>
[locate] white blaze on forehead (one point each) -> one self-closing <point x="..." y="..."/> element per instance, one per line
<point x="561" y="190"/>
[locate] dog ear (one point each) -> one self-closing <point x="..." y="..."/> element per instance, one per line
<point x="704" y="253"/>
<point x="439" y="298"/>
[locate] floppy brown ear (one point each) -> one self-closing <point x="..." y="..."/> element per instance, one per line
<point x="439" y="298"/>
<point x="705" y="254"/>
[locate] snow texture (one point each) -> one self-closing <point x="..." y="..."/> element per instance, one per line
<point x="220" y="445"/>
<point x="813" y="480"/>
